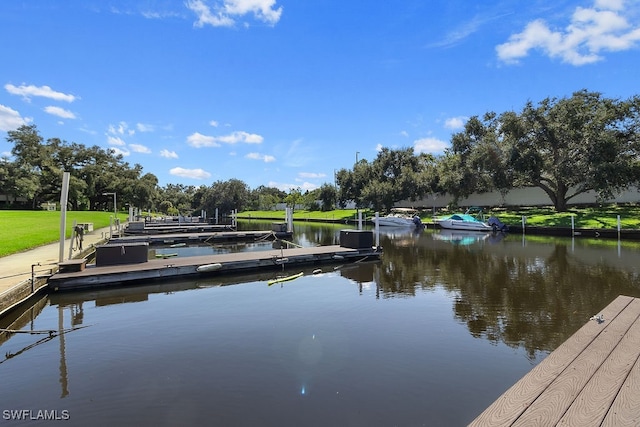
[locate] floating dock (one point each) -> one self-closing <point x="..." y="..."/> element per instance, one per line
<point x="90" y="276"/>
<point x="592" y="379"/>
<point x="139" y="227"/>
<point x="205" y="237"/>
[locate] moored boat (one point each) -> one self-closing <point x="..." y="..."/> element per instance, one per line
<point x="470" y="221"/>
<point x="399" y="217"/>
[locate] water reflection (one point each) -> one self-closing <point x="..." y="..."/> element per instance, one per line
<point x="436" y="327"/>
<point x="533" y="295"/>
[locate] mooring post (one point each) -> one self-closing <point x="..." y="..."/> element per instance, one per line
<point x="618" y="227"/>
<point x="524" y="222"/>
<point x="64" y="194"/>
<point x="33" y="277"/>
<point x="572" y="225"/>
<point x="377" y="230"/>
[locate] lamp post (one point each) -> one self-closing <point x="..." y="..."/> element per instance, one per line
<point x="115" y="210"/>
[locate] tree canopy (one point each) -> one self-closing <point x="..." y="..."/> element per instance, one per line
<point x="564" y="146"/>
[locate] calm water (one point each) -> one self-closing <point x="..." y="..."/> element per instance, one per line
<point x="429" y="335"/>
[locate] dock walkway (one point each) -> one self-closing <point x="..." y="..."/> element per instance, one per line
<point x="119" y="274"/>
<point x="592" y="379"/>
<point x="205" y="237"/>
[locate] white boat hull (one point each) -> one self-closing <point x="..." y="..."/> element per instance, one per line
<point x="393" y="221"/>
<point x="455" y="224"/>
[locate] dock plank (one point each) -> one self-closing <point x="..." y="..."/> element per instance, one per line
<point x="515" y="401"/>
<point x="625" y="410"/>
<point x="549" y="408"/>
<point x="595" y="399"/>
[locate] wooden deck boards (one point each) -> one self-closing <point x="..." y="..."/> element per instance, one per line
<point x="593" y="378"/>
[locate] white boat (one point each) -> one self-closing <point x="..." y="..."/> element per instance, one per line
<point x="399" y="217"/>
<point x="463" y="222"/>
<point x="471" y="220"/>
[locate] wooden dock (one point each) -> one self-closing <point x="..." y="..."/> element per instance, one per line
<point x="592" y="379"/>
<point x="93" y="276"/>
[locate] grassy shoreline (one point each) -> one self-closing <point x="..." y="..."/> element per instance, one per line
<point x="24" y="230"/>
<point x="588" y="217"/>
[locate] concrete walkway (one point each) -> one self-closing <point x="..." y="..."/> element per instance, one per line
<point x="16" y="268"/>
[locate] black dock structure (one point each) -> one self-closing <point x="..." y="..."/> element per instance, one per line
<point x="128" y="263"/>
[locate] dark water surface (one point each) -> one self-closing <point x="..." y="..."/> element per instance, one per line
<point x="430" y="335"/>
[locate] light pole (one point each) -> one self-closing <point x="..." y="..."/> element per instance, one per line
<point x="115" y="210"/>
<point x="357" y="152"/>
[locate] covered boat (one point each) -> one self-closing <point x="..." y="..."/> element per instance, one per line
<point x="471" y="220"/>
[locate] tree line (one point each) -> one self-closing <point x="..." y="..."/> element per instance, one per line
<point x="565" y="146"/>
<point x="34" y="176"/>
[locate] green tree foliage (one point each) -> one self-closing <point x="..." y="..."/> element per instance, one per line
<point x="393" y="176"/>
<point x="294" y="198"/>
<point x="327" y="194"/>
<point x="265" y="198"/>
<point x="573" y="145"/>
<point x="477" y="161"/>
<point x="226" y="196"/>
<point x="36" y="173"/>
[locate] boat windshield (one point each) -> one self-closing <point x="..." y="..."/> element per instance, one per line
<point x="404" y="211"/>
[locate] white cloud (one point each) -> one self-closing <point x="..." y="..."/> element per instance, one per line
<point x="139" y="148"/>
<point x="240" y="136"/>
<point x="379" y="148"/>
<point x="30" y="91"/>
<point x="10" y="119"/>
<point x="142" y="127"/>
<point x="121" y="128"/>
<point x="311" y="175"/>
<point x="169" y="154"/>
<point x="117" y="141"/>
<point x="190" y="173"/>
<point x="455" y="122"/>
<point x="430" y="145"/>
<point x="214" y="123"/>
<point x="223" y="13"/>
<point x="404" y="133"/>
<point x="264" y="157"/>
<point x="60" y="112"/>
<point x="199" y="140"/>
<point x="5" y="154"/>
<point x="592" y="31"/>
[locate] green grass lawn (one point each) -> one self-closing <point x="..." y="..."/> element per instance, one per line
<point x="592" y="217"/>
<point x="22" y="230"/>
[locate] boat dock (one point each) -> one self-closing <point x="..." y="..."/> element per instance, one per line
<point x="140" y="227"/>
<point x="189" y="236"/>
<point x="76" y="275"/>
<point x="592" y="379"/>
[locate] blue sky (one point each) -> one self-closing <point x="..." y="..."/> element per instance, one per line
<point x="283" y="93"/>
